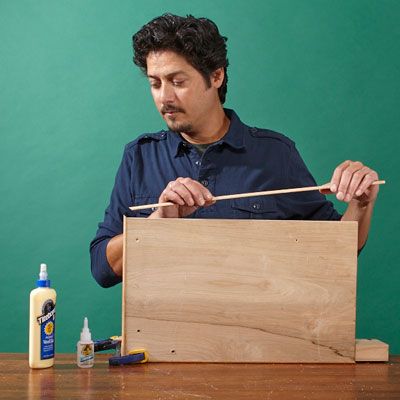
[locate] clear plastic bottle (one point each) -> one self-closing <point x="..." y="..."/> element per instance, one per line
<point x="85" y="347"/>
<point x="42" y="322"/>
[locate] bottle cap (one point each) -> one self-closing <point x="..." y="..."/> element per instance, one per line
<point x="86" y="336"/>
<point x="43" y="281"/>
<point x="43" y="272"/>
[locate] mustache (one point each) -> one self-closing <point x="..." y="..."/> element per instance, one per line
<point x="165" y="109"/>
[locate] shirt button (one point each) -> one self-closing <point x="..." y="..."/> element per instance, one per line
<point x="204" y="182"/>
<point x="197" y="162"/>
<point x="256" y="206"/>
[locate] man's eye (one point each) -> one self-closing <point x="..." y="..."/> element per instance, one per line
<point x="155" y="84"/>
<point x="177" y="83"/>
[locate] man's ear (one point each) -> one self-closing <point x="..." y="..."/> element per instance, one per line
<point x="217" y="77"/>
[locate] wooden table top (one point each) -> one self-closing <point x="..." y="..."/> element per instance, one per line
<point x="198" y="381"/>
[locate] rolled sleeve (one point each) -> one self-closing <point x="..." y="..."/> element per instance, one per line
<point x="101" y="269"/>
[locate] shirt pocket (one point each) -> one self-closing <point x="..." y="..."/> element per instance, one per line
<point x="255" y="208"/>
<point x="141" y="201"/>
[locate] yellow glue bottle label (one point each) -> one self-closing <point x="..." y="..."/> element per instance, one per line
<point x="47" y="322"/>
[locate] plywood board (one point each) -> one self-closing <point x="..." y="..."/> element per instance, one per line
<point x="240" y="290"/>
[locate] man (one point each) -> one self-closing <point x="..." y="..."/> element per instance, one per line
<point x="208" y="151"/>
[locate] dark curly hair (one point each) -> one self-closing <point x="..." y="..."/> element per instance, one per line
<point x="196" y="39"/>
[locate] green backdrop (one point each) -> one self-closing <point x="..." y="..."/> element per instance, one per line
<point x="324" y="73"/>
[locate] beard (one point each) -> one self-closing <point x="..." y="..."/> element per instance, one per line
<point x="172" y="123"/>
<point x="175" y="126"/>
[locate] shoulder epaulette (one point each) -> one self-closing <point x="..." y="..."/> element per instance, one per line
<point x="267" y="133"/>
<point x="147" y="137"/>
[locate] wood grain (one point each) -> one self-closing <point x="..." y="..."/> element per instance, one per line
<point x="378" y="381"/>
<point x="240" y="290"/>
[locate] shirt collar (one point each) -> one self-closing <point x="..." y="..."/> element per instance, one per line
<point x="233" y="138"/>
<point x="235" y="135"/>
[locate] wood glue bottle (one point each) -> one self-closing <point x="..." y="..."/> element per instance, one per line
<point x="85" y="347"/>
<point x="42" y="322"/>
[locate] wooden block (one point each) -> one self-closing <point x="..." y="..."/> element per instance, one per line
<point x="371" y="350"/>
<point x="240" y="290"/>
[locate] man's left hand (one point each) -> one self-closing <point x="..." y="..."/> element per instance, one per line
<point x="352" y="180"/>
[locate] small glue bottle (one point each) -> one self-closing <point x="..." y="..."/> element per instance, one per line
<point x="85" y="348"/>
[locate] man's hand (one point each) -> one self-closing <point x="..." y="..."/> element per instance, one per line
<point x="187" y="195"/>
<point x="352" y="180"/>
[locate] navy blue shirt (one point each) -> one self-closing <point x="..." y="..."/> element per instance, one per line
<point x="246" y="159"/>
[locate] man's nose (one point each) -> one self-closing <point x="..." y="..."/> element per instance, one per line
<point x="167" y="94"/>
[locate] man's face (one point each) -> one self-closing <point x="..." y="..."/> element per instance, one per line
<point x="180" y="92"/>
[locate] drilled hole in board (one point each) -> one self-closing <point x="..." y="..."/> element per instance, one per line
<point x="138" y="331"/>
<point x="173" y="351"/>
<point x="137" y="239"/>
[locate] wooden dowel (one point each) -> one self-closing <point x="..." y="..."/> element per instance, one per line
<point x="250" y="194"/>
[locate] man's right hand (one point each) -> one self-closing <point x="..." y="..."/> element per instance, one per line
<point x="187" y="195"/>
